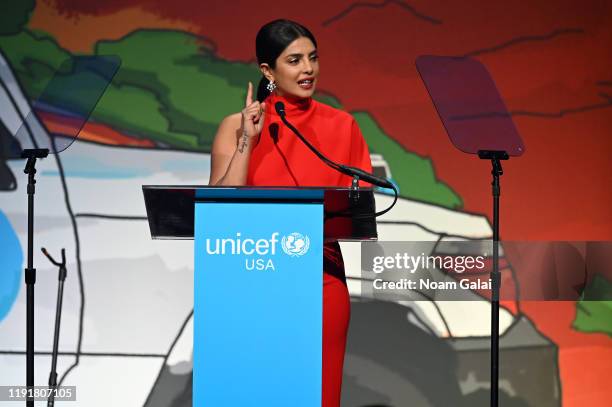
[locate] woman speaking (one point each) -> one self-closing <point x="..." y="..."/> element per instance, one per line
<point x="255" y="148"/>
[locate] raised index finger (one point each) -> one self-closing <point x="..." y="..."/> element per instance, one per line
<point x="249" y="96"/>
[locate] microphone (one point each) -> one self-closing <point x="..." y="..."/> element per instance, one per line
<point x="345" y="169"/>
<point x="366" y="176"/>
<point x="280" y="108"/>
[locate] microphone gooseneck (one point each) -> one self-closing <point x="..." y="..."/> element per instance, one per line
<point x="345" y="169"/>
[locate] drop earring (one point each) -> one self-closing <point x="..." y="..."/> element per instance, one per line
<point x="271" y="86"/>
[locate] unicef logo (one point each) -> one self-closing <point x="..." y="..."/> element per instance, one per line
<point x="295" y="244"/>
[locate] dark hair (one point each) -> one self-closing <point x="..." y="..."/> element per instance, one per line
<point x="271" y="41"/>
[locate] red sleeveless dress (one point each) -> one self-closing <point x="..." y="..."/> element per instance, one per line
<point x="279" y="158"/>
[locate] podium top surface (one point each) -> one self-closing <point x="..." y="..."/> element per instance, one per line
<point x="170" y="208"/>
<point x="224" y="193"/>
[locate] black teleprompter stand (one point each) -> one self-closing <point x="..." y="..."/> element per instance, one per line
<point x="58" y="317"/>
<point x="477" y="122"/>
<point x="30" y="272"/>
<point x="91" y="75"/>
<point x="496" y="172"/>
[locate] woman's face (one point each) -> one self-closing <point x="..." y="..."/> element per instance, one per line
<point x="297" y="69"/>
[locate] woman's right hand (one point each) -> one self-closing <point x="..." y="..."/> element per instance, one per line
<point x="252" y="115"/>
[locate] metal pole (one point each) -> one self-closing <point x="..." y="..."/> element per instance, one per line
<point x="30" y="272"/>
<point x="496" y="285"/>
<point x="30" y="280"/>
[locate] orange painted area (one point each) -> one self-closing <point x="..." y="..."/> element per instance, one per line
<point x="91" y="131"/>
<point x="585" y="359"/>
<point x="80" y="32"/>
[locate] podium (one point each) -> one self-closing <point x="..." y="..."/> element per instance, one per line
<point x="258" y="283"/>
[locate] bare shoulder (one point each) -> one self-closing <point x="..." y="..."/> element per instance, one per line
<point x="227" y="135"/>
<point x="231" y="122"/>
<point x="229" y="128"/>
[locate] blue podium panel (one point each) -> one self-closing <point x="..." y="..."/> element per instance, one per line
<point x="258" y="304"/>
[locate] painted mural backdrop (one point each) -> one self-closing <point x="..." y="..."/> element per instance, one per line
<point x="185" y="65"/>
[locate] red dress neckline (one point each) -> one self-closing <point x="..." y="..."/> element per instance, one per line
<point x="293" y="106"/>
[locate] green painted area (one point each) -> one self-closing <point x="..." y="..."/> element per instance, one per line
<point x="328" y="100"/>
<point x="34" y="57"/>
<point x="173" y="89"/>
<point x="415" y="175"/>
<point x="14" y="15"/>
<point x="594" y="310"/>
<point x="186" y="86"/>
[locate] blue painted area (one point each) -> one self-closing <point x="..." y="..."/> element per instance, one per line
<point x="11" y="262"/>
<point x="199" y="165"/>
<point x="89" y="167"/>
<point x="111" y="173"/>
